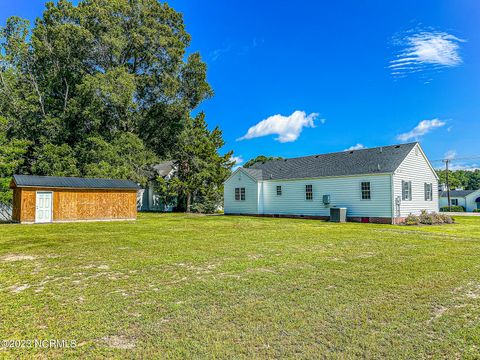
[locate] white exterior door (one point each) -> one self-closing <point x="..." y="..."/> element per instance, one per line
<point x="43" y="210"/>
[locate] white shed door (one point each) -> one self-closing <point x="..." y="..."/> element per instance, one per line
<point x="43" y="210"/>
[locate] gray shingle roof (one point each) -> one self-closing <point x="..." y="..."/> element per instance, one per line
<point x="457" y="193"/>
<point x="72" y="182"/>
<point x="377" y="160"/>
<point x="255" y="173"/>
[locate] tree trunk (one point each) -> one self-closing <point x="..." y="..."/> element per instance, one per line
<point x="189" y="201"/>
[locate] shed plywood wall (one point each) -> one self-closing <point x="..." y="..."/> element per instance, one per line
<point x="76" y="204"/>
<point x="17" y="204"/>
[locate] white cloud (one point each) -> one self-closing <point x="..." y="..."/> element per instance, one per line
<point x="450" y="155"/>
<point x="424" y="50"/>
<point x="218" y="53"/>
<point x="423" y="127"/>
<point x="288" y="128"/>
<point x="355" y="147"/>
<point x="467" y="167"/>
<point x="237" y="159"/>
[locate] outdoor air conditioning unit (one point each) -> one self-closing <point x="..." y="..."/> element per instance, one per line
<point x="338" y="215"/>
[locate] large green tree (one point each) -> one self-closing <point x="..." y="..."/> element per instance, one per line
<point x="11" y="158"/>
<point x="466" y="179"/>
<point x="260" y="158"/>
<point x="201" y="170"/>
<point x="99" y="89"/>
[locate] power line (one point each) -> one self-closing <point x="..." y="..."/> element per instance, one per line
<point x="455" y="159"/>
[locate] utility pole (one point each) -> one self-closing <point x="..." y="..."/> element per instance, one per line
<point x="448" y="185"/>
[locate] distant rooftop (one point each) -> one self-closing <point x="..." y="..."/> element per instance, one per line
<point x="456" y="193"/>
<point x="385" y="159"/>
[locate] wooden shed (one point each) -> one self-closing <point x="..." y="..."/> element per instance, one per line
<point x="45" y="199"/>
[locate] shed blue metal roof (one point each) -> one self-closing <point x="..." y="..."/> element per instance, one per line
<point x="72" y="182"/>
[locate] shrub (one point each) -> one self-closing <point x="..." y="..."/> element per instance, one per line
<point x="456" y="208"/>
<point x="476" y="210"/>
<point x="412" y="220"/>
<point x="426" y="218"/>
<point x="447" y="219"/>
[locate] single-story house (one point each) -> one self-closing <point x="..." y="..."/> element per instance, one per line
<point x="469" y="199"/>
<point x="147" y="198"/>
<point x="46" y="199"/>
<point x="382" y="184"/>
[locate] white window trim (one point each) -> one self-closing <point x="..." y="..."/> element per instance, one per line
<point x="369" y="190"/>
<point x="428" y="192"/>
<point x="240" y="194"/>
<point x="409" y="184"/>
<point x="309" y="192"/>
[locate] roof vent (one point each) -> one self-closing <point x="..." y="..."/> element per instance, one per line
<point x="285" y="160"/>
<point x="397" y="146"/>
<point x="271" y="176"/>
<point x="351" y="152"/>
<point x="317" y="156"/>
<point x="378" y="167"/>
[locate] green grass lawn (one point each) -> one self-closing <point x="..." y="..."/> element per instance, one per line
<point x="183" y="286"/>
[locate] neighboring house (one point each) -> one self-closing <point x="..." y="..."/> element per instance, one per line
<point x="46" y="199"/>
<point x="383" y="184"/>
<point x="147" y="198"/>
<point x="469" y="199"/>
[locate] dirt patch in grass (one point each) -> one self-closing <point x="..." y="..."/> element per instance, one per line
<point x="17" y="257"/>
<point x="120" y="342"/>
<point x="18" y="288"/>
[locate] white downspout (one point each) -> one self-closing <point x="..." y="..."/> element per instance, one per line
<point x="392" y="198"/>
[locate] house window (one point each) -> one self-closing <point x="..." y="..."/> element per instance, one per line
<point x="366" y="193"/>
<point x="428" y="192"/>
<point x="239" y="194"/>
<point x="279" y="190"/>
<point x="454" y="202"/>
<point x="309" y="192"/>
<point x="406" y="190"/>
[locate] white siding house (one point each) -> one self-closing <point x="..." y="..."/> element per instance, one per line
<point x="367" y="182"/>
<point x="416" y="170"/>
<point x="469" y="199"/>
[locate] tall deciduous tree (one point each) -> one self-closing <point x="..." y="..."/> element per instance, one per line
<point x="84" y="81"/>
<point x="466" y="179"/>
<point x="11" y="158"/>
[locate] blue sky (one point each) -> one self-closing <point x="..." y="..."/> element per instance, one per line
<point x="337" y="73"/>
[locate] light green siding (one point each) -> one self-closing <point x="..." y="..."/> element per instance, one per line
<point x="468" y="202"/>
<point x="248" y="206"/>
<point x="461" y="201"/>
<point x="344" y="192"/>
